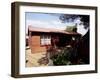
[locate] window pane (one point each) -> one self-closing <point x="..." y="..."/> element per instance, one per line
<point x="49" y="41"/>
<point x="45" y="40"/>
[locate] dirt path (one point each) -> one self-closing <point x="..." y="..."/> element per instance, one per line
<point x="32" y="59"/>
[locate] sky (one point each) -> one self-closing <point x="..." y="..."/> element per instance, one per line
<point x="50" y="20"/>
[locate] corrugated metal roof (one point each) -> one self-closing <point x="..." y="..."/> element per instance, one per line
<point x="49" y="30"/>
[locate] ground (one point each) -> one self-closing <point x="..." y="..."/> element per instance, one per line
<point x="32" y="59"/>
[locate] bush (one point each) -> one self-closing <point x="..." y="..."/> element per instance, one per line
<point x="65" y="56"/>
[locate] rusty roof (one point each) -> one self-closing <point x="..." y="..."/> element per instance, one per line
<point x="49" y="30"/>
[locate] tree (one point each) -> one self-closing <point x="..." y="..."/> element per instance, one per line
<point x="71" y="28"/>
<point x="71" y="18"/>
<point x="83" y="44"/>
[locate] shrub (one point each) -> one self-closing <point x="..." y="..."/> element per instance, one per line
<point x="65" y="56"/>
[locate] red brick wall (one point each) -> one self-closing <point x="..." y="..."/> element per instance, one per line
<point x="34" y="43"/>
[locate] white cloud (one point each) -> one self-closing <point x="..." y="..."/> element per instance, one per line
<point x="57" y="22"/>
<point x="45" y="24"/>
<point x="81" y="29"/>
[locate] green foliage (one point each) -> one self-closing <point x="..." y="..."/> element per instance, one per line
<point x="63" y="57"/>
<point x="84" y="19"/>
<point x="71" y="28"/>
<point x="67" y="56"/>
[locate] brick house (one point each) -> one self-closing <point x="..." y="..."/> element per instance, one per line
<point x="40" y="38"/>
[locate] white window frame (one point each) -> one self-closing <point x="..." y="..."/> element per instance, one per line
<point x="45" y="40"/>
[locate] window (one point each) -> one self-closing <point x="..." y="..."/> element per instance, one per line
<point x="45" y="40"/>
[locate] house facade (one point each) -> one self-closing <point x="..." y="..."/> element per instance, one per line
<point x="39" y="39"/>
